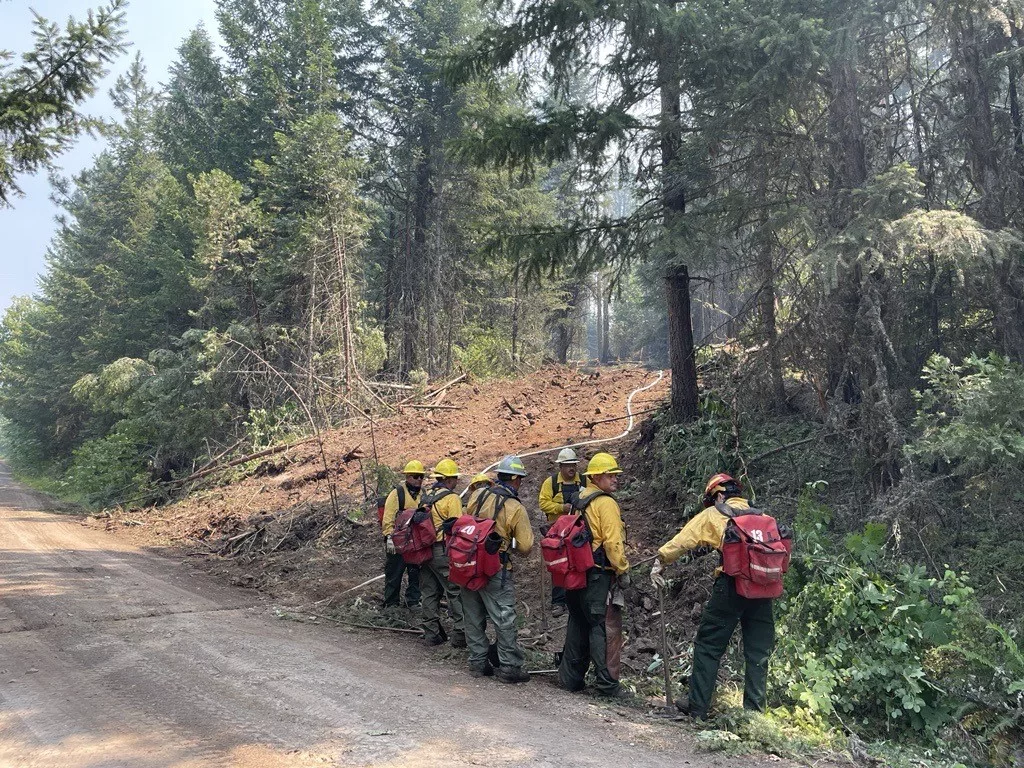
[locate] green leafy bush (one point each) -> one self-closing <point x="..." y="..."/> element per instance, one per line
<point x="880" y="646"/>
<point x="971" y="417"/>
<point x="110" y="469"/>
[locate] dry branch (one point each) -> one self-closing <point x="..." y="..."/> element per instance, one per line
<point x="244" y="459"/>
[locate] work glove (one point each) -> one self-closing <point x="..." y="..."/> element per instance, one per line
<point x="623" y="580"/>
<point x="657" y="579"/>
<point x="389" y="545"/>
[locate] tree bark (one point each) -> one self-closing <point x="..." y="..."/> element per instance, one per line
<point x="684" y="400"/>
<point x="606" y="335"/>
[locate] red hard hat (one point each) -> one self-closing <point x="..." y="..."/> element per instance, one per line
<point x="717" y="484"/>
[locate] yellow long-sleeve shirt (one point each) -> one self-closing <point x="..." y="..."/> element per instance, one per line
<point x="412" y="500"/>
<point x="705" y="529"/>
<point x="607" y="529"/>
<point x="553" y="504"/>
<point x="442" y="509"/>
<point x="512" y="522"/>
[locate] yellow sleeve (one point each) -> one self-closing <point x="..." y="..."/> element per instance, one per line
<point x="707" y="529"/>
<point x="550" y="504"/>
<point x="390" y="513"/>
<point x="610" y="532"/>
<point x="521" y="530"/>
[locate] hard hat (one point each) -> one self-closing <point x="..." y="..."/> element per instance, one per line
<point x="511" y="465"/>
<point x="567" y="456"/>
<point x="719" y="483"/>
<point x="446" y="468"/>
<point x="414" y="468"/>
<point x="481" y="478"/>
<point x="602" y="464"/>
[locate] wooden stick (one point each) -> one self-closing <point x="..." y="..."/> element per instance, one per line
<point x="435" y="407"/>
<point x="592" y="424"/>
<point x="363" y="626"/>
<point x="664" y="647"/>
<point x="434" y="391"/>
<point x="389" y="385"/>
<point x="543" y="596"/>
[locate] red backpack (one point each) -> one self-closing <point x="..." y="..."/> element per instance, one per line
<point x="755" y="552"/>
<point x="566" y="546"/>
<point x="414" y="535"/>
<point x="474" y="544"/>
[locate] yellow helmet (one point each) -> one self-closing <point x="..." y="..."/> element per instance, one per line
<point x="481" y="478"/>
<point x="446" y="468"/>
<point x="414" y="468"/>
<point x="602" y="464"/>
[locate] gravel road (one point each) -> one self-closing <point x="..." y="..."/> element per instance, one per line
<point x="115" y="656"/>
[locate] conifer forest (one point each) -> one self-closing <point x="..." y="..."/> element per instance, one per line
<point x="809" y="212"/>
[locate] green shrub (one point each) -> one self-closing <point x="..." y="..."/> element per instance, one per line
<point x="109" y="470"/>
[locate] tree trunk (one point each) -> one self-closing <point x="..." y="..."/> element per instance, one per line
<point x="677" y="280"/>
<point x="849" y="172"/>
<point x="769" y="332"/>
<point x="606" y="334"/>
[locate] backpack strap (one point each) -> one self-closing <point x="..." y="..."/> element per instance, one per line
<point x="401" y="496"/>
<point x="556" y="486"/>
<point x="579" y="507"/>
<point x="434" y="495"/>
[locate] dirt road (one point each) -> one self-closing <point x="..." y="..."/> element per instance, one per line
<point x="112" y="656"/>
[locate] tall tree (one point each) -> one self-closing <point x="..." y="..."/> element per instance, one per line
<point x="40" y="99"/>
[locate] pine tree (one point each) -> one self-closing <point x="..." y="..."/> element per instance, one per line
<point x="40" y="99"/>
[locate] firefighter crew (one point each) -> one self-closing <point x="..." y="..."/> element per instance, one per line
<point x="557" y="493"/>
<point x="404" y="496"/>
<point x="497" y="600"/>
<point x="724" y="610"/>
<point x="586" y="640"/>
<point x="477" y="483"/>
<point x="444" y="504"/>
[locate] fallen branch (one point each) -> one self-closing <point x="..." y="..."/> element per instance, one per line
<point x="515" y="411"/>
<point x="435" y="407"/>
<point x="389" y="385"/>
<point x="787" y="446"/>
<point x="362" y="626"/>
<point x="592" y="424"/>
<point x="434" y="392"/>
<point x="244" y="459"/>
<point x="212" y="462"/>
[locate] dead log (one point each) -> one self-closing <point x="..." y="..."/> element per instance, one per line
<point x="244" y="459"/>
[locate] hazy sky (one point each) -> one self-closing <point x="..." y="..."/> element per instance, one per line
<point x="155" y="29"/>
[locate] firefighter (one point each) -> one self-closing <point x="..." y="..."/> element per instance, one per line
<point x="496" y="602"/>
<point x="557" y="493"/>
<point x="403" y="496"/>
<point x="724" y="610"/>
<point x="477" y="483"/>
<point x="444" y="504"/>
<point x="586" y="637"/>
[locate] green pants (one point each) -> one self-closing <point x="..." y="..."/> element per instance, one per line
<point x="434" y="583"/>
<point x="394" y="567"/>
<point x="586" y="640"/>
<point x="495" y="602"/>
<point x="723" y="612"/>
